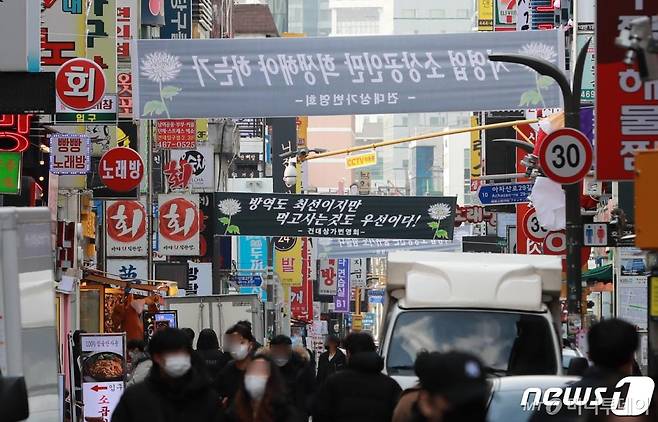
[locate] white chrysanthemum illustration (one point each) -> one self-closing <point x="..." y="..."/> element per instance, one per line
<point x="229" y="207"/>
<point x="535" y="97"/>
<point x="161" y="67"/>
<point x="540" y="51"/>
<point x="439" y="211"/>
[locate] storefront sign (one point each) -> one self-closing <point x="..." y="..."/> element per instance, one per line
<point x="10" y="172"/>
<point x="588" y="92"/>
<point x="178" y="175"/>
<point x="80" y="84"/>
<point x="342" y="300"/>
<point x="476" y="156"/>
<point x="358" y="273"/>
<point x="384" y="217"/>
<point x="626" y="107"/>
<point x="505" y="15"/>
<point x="121" y="169"/>
<point x="125" y="94"/>
<point x="14" y="132"/>
<point x="252" y="252"/>
<point x="524" y="12"/>
<point x="327" y="274"/>
<point x="301" y="301"/>
<point x="475" y="214"/>
<point x="126" y="228"/>
<point x="178" y="228"/>
<point x="126" y="27"/>
<point x="485" y="15"/>
<point x="103" y="364"/>
<point x="361" y="160"/>
<point x="199" y="277"/>
<point x="288" y="260"/>
<point x="127" y="269"/>
<point x="202" y="166"/>
<point x="178" y="20"/>
<point x="70" y="154"/>
<point x="346" y="75"/>
<point x="176" y="134"/>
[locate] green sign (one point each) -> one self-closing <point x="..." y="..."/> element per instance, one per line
<point x="10" y="172"/>
<point x="588" y="87"/>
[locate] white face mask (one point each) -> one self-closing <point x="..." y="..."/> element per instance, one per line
<point x="239" y="351"/>
<point x="255" y="385"/>
<point x="281" y="361"/>
<point x="177" y="365"/>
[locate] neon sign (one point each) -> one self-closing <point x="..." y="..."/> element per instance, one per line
<point x="16" y="128"/>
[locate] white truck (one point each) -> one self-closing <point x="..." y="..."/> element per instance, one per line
<point x="495" y="306"/>
<point x="218" y="312"/>
<point x="28" y="342"/>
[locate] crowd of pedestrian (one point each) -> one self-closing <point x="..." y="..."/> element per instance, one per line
<point x="170" y="381"/>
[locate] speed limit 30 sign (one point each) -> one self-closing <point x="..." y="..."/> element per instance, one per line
<point x="565" y="156"/>
<point x="531" y="227"/>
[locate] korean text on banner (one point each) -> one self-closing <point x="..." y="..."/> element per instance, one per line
<point x="252" y="252"/>
<point x="127" y="269"/>
<point x="126" y="228"/>
<point x="288" y="260"/>
<point x="199" y="277"/>
<point x="178" y="228"/>
<point x="485" y="15"/>
<point x="327" y="274"/>
<point x="379" y="217"/>
<point x="626" y="107"/>
<point x="342" y="299"/>
<point x="346" y="75"/>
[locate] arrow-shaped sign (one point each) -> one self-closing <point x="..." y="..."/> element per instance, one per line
<point x="98" y="388"/>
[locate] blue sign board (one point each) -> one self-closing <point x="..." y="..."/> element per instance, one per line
<point x="504" y="193"/>
<point x="247" y="280"/>
<point x="252" y="252"/>
<point x="376" y="296"/>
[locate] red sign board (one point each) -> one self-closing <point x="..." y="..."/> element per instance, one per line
<point x="301" y="298"/>
<point x="125" y="94"/>
<point x="179" y="219"/>
<point x="126" y="228"/>
<point x="176" y="134"/>
<point x="14" y="132"/>
<point x="121" y="169"/>
<point x="565" y="156"/>
<point x="178" y="174"/>
<point x="626" y="107"/>
<point x="80" y="84"/>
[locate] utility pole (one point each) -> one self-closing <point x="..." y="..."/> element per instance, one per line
<point x="574" y="227"/>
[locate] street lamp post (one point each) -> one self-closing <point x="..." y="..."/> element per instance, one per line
<point x="571" y="99"/>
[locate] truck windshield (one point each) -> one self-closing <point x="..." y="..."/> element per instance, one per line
<point x="508" y="343"/>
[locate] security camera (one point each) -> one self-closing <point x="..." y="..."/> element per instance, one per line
<point x="290" y="174"/>
<point x="638" y="40"/>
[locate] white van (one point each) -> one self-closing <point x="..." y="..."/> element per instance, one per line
<point x="496" y="306"/>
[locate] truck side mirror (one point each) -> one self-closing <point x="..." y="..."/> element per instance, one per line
<point x="13" y="399"/>
<point x="577" y="366"/>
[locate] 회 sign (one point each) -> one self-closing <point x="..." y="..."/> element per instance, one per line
<point x="70" y="154"/>
<point x="178" y="228"/>
<point x="384" y="217"/>
<point x="565" y="156"/>
<point x="121" y="169"/>
<point x="337" y="76"/>
<point x="361" y="160"/>
<point x="80" y="84"/>
<point x="125" y="222"/>
<point x="504" y="193"/>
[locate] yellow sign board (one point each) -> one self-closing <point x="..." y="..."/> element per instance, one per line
<point x="361" y="160"/>
<point x="288" y="263"/>
<point x="357" y="322"/>
<point x="485" y="15"/>
<point x="646" y="200"/>
<point x="476" y="155"/>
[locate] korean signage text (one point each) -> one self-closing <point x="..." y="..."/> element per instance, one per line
<point x="361" y="160"/>
<point x="126" y="228"/>
<point x="176" y="134"/>
<point x="178" y="228"/>
<point x="347" y="75"/>
<point x="342" y="300"/>
<point x="385" y="217"/>
<point x="70" y="154"/>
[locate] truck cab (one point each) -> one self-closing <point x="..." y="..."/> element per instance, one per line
<point x="495" y="306"/>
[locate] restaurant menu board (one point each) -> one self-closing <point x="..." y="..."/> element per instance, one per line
<point x="103" y="368"/>
<point x="154" y="321"/>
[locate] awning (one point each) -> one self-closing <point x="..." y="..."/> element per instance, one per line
<point x="603" y="273"/>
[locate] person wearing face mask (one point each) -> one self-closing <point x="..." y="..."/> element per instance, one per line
<point x="262" y="396"/>
<point x="140" y="362"/>
<point x="452" y="388"/>
<point x="298" y="374"/>
<point x="174" y="390"/>
<point x="240" y="344"/>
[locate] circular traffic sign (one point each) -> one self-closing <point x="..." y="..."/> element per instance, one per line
<point x="531" y="227"/>
<point x="555" y="243"/>
<point x="565" y="156"/>
<point x="80" y="84"/>
<point x="121" y="169"/>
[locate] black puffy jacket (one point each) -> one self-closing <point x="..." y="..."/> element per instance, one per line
<point x="159" y="399"/>
<point x="360" y="393"/>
